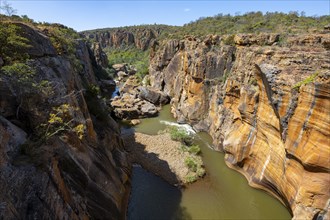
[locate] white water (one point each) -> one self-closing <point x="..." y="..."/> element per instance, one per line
<point x="184" y="127"/>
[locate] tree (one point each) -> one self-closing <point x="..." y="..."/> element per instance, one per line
<point x="6" y="7"/>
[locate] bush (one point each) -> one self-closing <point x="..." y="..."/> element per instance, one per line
<point x="20" y="70"/>
<point x="195" y="167"/>
<point x="13" y="47"/>
<point x="191" y="164"/>
<point x="181" y="135"/>
<point x="194" y="149"/>
<point x="191" y="178"/>
<point x="62" y="120"/>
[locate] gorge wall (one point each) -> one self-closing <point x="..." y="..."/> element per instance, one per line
<point x="61" y="155"/>
<point x="140" y="38"/>
<point x="244" y="91"/>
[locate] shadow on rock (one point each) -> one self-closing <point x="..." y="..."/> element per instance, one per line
<point x="152" y="197"/>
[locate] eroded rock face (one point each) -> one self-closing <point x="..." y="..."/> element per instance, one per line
<point x="100" y="56"/>
<point x="141" y="38"/>
<point x="40" y="43"/>
<point x="243" y="96"/>
<point x="58" y="174"/>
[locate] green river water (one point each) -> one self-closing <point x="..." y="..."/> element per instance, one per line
<point x="222" y="194"/>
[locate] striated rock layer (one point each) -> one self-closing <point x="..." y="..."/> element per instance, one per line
<point x="140" y="38"/>
<point x="246" y="96"/>
<point x="75" y="167"/>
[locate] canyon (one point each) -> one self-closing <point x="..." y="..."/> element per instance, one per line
<point x="263" y="98"/>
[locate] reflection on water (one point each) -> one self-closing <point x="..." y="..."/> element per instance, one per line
<point x="222" y="194"/>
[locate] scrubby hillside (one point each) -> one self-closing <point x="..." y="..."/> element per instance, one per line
<point x="143" y="36"/>
<point x="132" y="44"/>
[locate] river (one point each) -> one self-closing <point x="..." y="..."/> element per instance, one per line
<point x="222" y="194"/>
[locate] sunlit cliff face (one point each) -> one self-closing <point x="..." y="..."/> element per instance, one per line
<point x="264" y="104"/>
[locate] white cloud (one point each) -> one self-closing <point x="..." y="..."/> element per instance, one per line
<point x="186" y="9"/>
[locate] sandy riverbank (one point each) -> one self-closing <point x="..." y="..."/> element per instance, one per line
<point x="162" y="156"/>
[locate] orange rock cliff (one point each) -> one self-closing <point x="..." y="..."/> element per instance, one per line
<point x="265" y="100"/>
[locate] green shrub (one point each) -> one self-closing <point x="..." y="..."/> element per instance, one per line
<point x="194" y="149"/>
<point x="195" y="168"/>
<point x="181" y="135"/>
<point x="191" y="164"/>
<point x="94" y="90"/>
<point x="20" y="70"/>
<point x="191" y="178"/>
<point x="13" y="47"/>
<point x="21" y="75"/>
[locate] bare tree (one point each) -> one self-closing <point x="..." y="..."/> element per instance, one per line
<point x="6" y="8"/>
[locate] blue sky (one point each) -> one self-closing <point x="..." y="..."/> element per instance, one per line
<point x="87" y="14"/>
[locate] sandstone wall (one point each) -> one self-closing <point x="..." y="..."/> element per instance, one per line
<point x="242" y="94"/>
<point x="141" y="38"/>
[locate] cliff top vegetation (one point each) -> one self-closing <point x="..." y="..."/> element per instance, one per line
<point x="252" y="22"/>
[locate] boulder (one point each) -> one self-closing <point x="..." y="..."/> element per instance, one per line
<point x="128" y="106"/>
<point x="120" y="67"/>
<point x="135" y="122"/>
<point x="131" y="71"/>
<point x="148" y="109"/>
<point x="153" y="95"/>
<point x="131" y="85"/>
<point x="122" y="74"/>
<point x="107" y="87"/>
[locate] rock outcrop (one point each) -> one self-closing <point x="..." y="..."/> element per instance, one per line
<point x="140" y="38"/>
<point x="100" y="56"/>
<point x="265" y="101"/>
<point x="61" y="155"/>
<point x="130" y="105"/>
<point x="154" y="96"/>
